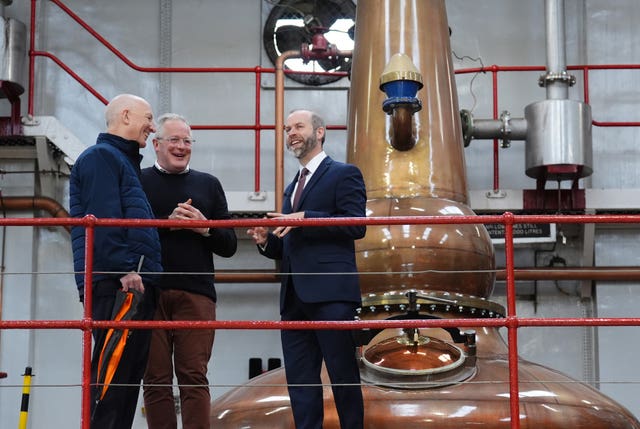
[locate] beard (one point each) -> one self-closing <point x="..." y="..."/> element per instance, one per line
<point x="307" y="146"/>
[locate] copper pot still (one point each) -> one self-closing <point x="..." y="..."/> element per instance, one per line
<point x="410" y="150"/>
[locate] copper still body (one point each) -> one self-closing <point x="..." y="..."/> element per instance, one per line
<point x="411" y="156"/>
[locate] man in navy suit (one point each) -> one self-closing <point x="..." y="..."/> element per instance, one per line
<point x="320" y="280"/>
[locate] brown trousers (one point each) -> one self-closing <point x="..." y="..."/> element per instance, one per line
<point x="190" y="351"/>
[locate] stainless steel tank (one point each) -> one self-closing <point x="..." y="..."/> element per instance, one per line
<point x="13" y="36"/>
<point x="558" y="135"/>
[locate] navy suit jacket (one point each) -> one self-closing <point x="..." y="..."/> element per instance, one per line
<point x="334" y="190"/>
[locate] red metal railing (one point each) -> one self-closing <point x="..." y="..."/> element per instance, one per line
<point x="33" y="53"/>
<point x="512" y="322"/>
<point x="257" y="126"/>
<point x="495" y="69"/>
<point x="258" y="71"/>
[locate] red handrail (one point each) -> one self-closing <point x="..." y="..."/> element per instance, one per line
<point x="512" y="322"/>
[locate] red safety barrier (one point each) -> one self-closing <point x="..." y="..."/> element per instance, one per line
<point x="511" y="322"/>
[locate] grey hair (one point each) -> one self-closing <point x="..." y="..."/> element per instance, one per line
<point x="169" y="117"/>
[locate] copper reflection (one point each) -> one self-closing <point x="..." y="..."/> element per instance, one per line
<point x="423" y="378"/>
<point x="548" y="400"/>
<point x="427" y="180"/>
<point x="456" y="258"/>
<point x="462" y="395"/>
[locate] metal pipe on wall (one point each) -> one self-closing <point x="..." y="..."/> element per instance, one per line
<point x="616" y="274"/>
<point x="556" y="55"/>
<point x="54" y="208"/>
<point x="279" y="113"/>
<point x="279" y="96"/>
<point x="509" y="129"/>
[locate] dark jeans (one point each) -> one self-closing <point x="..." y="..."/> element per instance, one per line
<point x="117" y="409"/>
<point x="190" y="351"/>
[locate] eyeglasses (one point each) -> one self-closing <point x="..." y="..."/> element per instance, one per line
<point x="175" y="140"/>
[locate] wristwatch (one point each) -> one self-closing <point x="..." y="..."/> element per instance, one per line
<point x="208" y="233"/>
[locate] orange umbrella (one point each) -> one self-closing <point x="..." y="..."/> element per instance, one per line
<point x="124" y="308"/>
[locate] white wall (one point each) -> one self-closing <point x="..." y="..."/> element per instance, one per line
<point x="228" y="34"/>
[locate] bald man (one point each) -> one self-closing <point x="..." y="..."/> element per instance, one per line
<point x="105" y="182"/>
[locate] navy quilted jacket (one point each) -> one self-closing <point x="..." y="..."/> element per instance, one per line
<point x="105" y="182"/>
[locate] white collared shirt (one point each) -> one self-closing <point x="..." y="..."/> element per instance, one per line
<point x="312" y="166"/>
<point x="186" y="170"/>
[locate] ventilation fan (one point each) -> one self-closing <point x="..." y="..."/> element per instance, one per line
<point x="292" y="23"/>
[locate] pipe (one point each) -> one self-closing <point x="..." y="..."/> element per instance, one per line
<point x="505" y="128"/>
<point x="607" y="273"/>
<point x="402" y="130"/>
<point x="256" y="131"/>
<point x="279" y="173"/>
<point x="574" y="273"/>
<point x="246" y="276"/>
<point x="26" y="203"/>
<point x="54" y="208"/>
<point x="496" y="153"/>
<point x="401" y="80"/>
<point x="279" y="126"/>
<point x="32" y="47"/>
<point x="130" y="63"/>
<point x="556" y="78"/>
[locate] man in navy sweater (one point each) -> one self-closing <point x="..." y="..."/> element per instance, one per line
<point x="187" y="291"/>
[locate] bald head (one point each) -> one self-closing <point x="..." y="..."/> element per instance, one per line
<point x="130" y="117"/>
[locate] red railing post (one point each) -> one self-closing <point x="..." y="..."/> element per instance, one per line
<point x="496" y="152"/>
<point x="258" y="130"/>
<point x="89" y="225"/>
<point x="32" y="44"/>
<point x="512" y="322"/>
